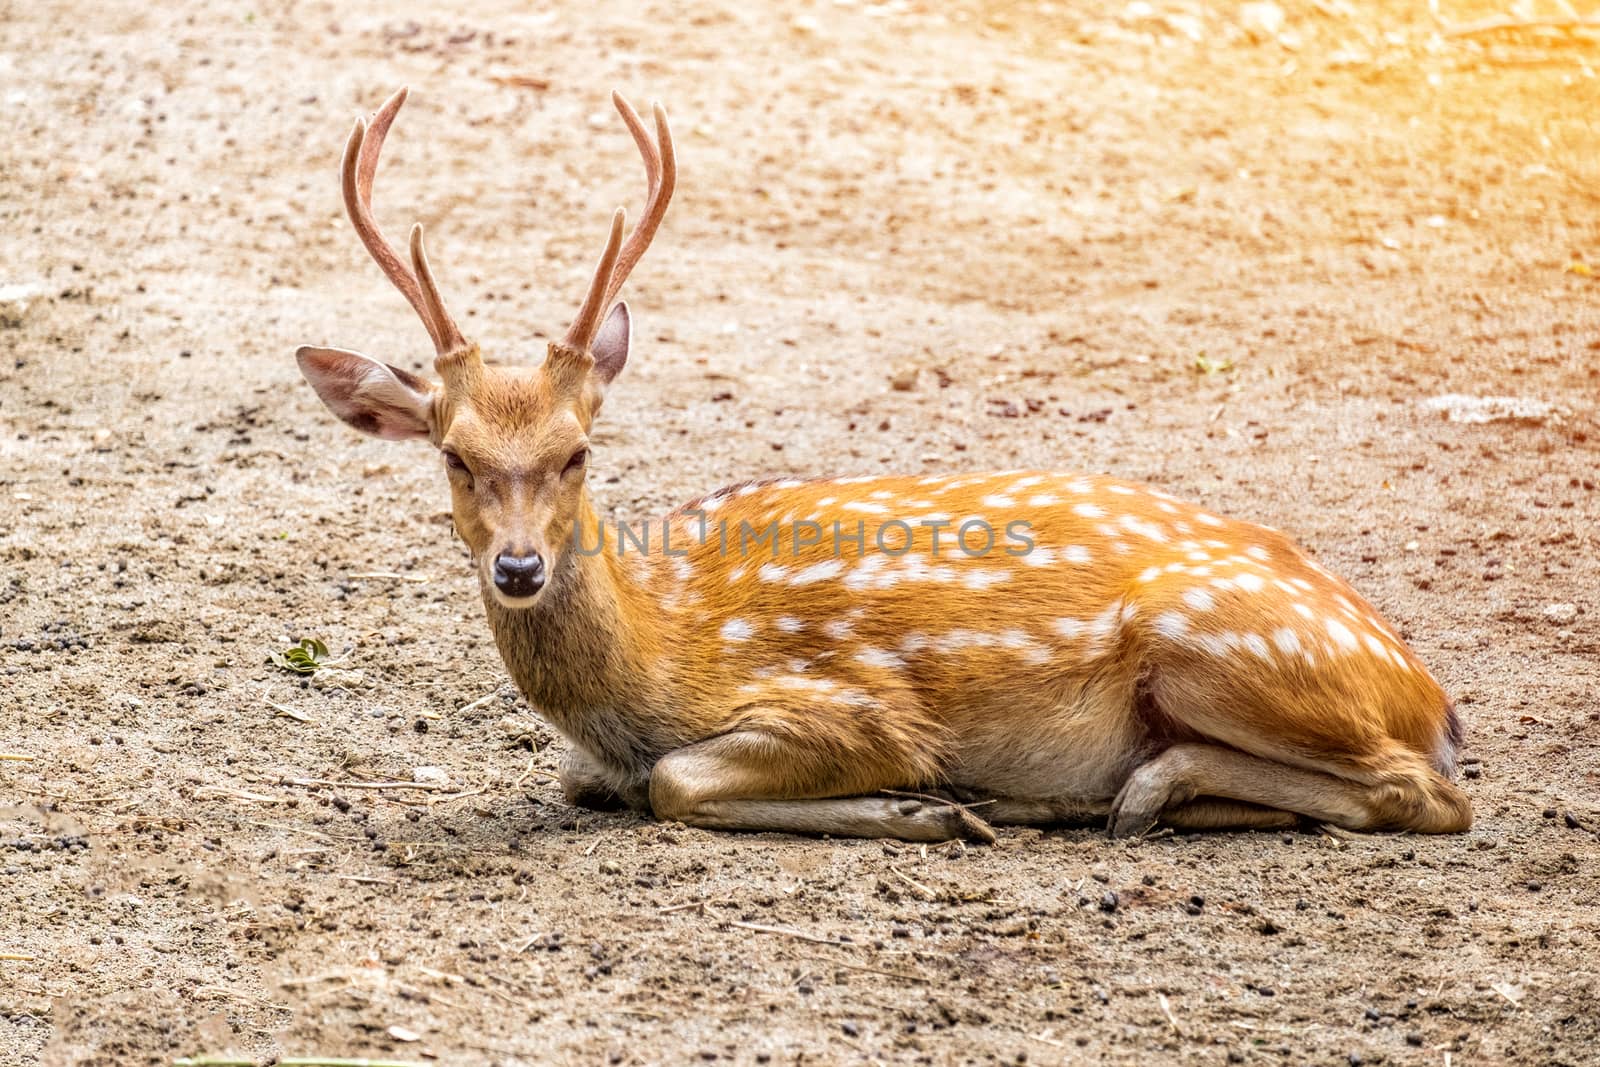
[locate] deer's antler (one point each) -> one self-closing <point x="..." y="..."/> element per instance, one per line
<point x="661" y="175"/>
<point x="358" y="169"/>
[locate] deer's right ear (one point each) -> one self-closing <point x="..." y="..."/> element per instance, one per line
<point x="373" y="397"/>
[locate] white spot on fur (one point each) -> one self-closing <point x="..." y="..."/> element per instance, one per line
<point x="1258" y="553"/>
<point x="839" y="629"/>
<point x="1198" y="599"/>
<point x="772" y="572"/>
<point x="1305" y="612"/>
<point x="817" y="572"/>
<point x="789" y="624"/>
<point x="1043" y="500"/>
<point x="985" y="579"/>
<point x="1142" y="527"/>
<point x="1341" y="634"/>
<point x="1120" y="490"/>
<point x="862" y="505"/>
<point x="1105" y="622"/>
<point x="737" y="630"/>
<point x="1039" y="557"/>
<point x="913" y="642"/>
<point x="1172" y="624"/>
<point x="995" y="500"/>
<point x="1076" y="554"/>
<point x="1150" y="574"/>
<point x="1089" y="511"/>
<point x="1209" y="520"/>
<point x="877" y="657"/>
<point x="682" y="568"/>
<point x="1250" y="582"/>
<point x="1300" y="584"/>
<point x="1257" y="644"/>
<point x="1071" y="629"/>
<point x="1287" y="640"/>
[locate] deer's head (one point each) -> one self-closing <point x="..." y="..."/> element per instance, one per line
<point x="514" y="441"/>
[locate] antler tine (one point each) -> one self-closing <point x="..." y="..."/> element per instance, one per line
<point x="449" y="337"/>
<point x="360" y="166"/>
<point x="584" y="327"/>
<point x="661" y="177"/>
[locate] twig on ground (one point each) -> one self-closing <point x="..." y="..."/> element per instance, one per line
<point x="291" y="1061"/>
<point x="325" y="783"/>
<point x="286" y="712"/>
<point x="480" y="702"/>
<point x="18" y="957"/>
<point x="1166" y="1009"/>
<point x="214" y="792"/>
<point x="365" y="879"/>
<point x="872" y="970"/>
<point x="394" y="576"/>
<point x="16" y="757"/>
<point x="782" y="931"/>
<point x="914" y="884"/>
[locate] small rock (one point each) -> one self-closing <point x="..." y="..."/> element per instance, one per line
<point x="14" y="301"/>
<point x="431" y="775"/>
<point x="1109" y="901"/>
<point x="903" y="381"/>
<point x="1455" y="407"/>
<point x="1561" y="614"/>
<point x="402" y="1033"/>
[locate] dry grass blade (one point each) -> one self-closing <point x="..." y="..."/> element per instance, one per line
<point x="783" y="931"/>
<point x="872" y="970"/>
<point x="326" y="783"/>
<point x="16" y="757"/>
<point x="290" y="1061"/>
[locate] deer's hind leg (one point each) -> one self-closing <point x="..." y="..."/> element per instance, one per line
<point x="1184" y="778"/>
<point x="814" y="779"/>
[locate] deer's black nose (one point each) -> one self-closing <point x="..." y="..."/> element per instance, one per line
<point x="519" y="576"/>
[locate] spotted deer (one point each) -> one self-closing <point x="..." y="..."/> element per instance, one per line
<point x="852" y="662"/>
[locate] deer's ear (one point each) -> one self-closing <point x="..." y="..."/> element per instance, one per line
<point x="373" y="397"/>
<point x="610" y="348"/>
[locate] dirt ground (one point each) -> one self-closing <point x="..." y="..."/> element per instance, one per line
<point x="1173" y="241"/>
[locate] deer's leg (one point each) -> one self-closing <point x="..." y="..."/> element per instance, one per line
<point x="1414" y="797"/>
<point x="748" y="781"/>
<point x="1209" y="813"/>
<point x="587" y="784"/>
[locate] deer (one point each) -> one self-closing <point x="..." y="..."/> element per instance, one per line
<point x="1124" y="658"/>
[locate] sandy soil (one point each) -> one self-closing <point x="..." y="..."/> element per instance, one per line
<point x="1052" y="212"/>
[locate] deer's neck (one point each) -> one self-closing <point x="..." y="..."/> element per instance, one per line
<point x="588" y="656"/>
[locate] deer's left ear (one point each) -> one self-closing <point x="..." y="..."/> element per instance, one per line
<point x="610" y="348"/>
<point x="373" y="397"/>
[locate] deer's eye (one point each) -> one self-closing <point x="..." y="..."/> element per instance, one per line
<point x="579" y="458"/>
<point x="455" y="463"/>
